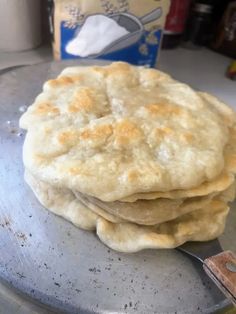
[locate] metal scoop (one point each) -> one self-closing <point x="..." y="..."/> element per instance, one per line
<point x="134" y="25"/>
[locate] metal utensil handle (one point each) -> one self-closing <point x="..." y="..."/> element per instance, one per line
<point x="151" y="16"/>
<point x="221" y="268"/>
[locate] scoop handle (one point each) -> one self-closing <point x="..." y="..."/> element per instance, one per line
<point x="221" y="268"/>
<point x="151" y="16"/>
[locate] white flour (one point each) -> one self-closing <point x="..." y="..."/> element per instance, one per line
<point x="97" y="32"/>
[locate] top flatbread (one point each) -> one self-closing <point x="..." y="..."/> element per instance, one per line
<point x="223" y="181"/>
<point x="114" y="131"/>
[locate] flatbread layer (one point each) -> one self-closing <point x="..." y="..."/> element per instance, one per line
<point x="115" y="131"/>
<point x="200" y="225"/>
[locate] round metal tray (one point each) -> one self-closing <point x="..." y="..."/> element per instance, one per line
<point x="54" y="262"/>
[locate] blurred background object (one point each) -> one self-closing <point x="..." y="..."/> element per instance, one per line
<point x="124" y="30"/>
<point x="20" y="24"/>
<point x="199" y="25"/>
<point x="46" y="7"/>
<point x="175" y="23"/>
<point x="231" y="72"/>
<point x="225" y="35"/>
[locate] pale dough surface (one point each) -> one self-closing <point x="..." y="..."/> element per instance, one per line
<point x="219" y="184"/>
<point x="119" y="130"/>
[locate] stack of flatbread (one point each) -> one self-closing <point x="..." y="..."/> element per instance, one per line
<point x="130" y="152"/>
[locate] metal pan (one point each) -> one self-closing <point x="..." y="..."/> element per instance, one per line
<point x="67" y="268"/>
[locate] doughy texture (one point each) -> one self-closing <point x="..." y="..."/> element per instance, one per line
<point x="111" y="132"/>
<point x="152" y="212"/>
<point x="62" y="202"/>
<point x="219" y="184"/>
<point x="200" y="225"/>
<point x="146" y="212"/>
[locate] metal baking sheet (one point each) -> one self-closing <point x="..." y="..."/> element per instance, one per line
<point x="54" y="262"/>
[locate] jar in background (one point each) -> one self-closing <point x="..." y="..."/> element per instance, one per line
<point x="199" y="26"/>
<point x="175" y="23"/>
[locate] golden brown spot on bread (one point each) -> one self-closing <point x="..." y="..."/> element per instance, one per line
<point x="47" y="130"/>
<point x="233" y="132"/>
<point x="45" y="108"/>
<point x="217" y="204"/>
<point x="133" y="175"/>
<point x="187" y="137"/>
<point x="117" y="67"/>
<point x="164" y="131"/>
<point x="101" y="70"/>
<point x="126" y="132"/>
<point x="120" y="71"/>
<point x="127" y="128"/>
<point x="98" y="132"/>
<point x="150" y="74"/>
<point x="230" y="162"/>
<point x="63" y="81"/>
<point x="82" y="101"/>
<point x="114" y="68"/>
<point x="228" y="120"/>
<point x="67" y="137"/>
<point x="74" y="170"/>
<point x="164" y="109"/>
<point x="40" y="158"/>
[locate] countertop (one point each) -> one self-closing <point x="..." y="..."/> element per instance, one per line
<point x="11" y="59"/>
<point x="202" y="69"/>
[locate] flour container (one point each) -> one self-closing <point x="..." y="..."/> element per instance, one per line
<point x="125" y="30"/>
